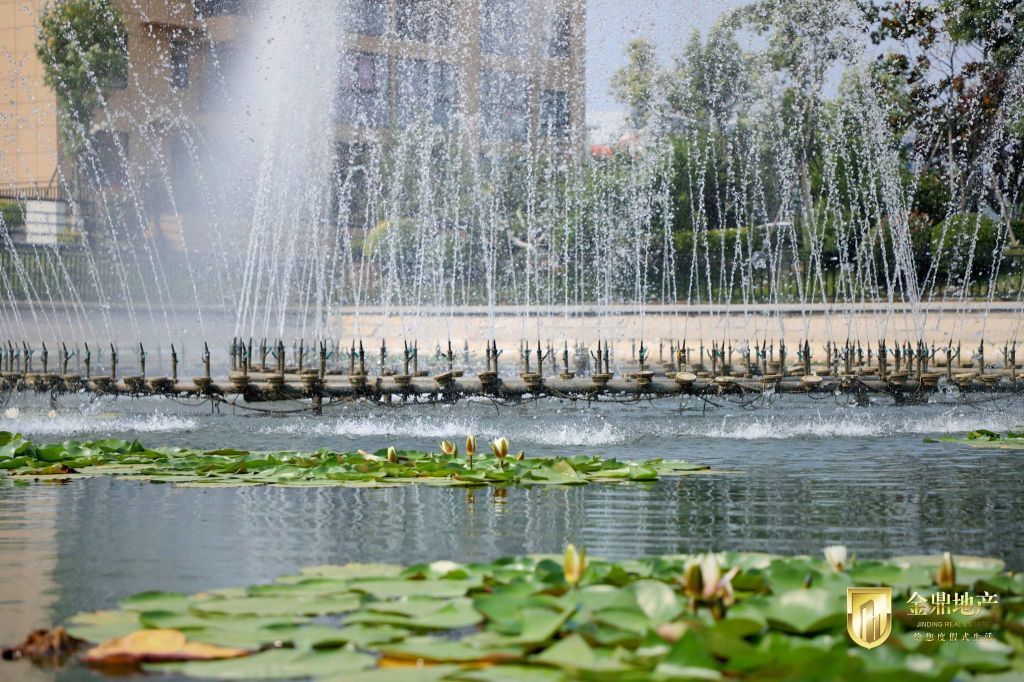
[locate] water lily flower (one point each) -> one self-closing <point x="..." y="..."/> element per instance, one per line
<point x="470" y="449"/>
<point x="520" y="456"/>
<point x="499" y="447"/>
<point x="836" y="557"/>
<point x="449" y="448"/>
<point x="11" y="413"/>
<point x="947" y="572"/>
<point x="704" y="583"/>
<point x="574" y="564"/>
<point x="392" y="455"/>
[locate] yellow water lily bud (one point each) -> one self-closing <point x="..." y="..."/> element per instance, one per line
<point x="947" y="572"/>
<point x="449" y="448"/>
<point x="574" y="564"/>
<point x="392" y="455"/>
<point x="500" y="447"/>
<point x="693" y="582"/>
<point x="836" y="557"/>
<point x="470" y="445"/>
<point x="520" y="456"/>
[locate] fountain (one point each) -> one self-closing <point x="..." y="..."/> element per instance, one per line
<point x="795" y="257"/>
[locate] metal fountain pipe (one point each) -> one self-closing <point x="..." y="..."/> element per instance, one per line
<point x="88" y="362"/>
<point x="113" y="362"/>
<point x="174" y="364"/>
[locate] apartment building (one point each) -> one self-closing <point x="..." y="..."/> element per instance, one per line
<point x="502" y="72"/>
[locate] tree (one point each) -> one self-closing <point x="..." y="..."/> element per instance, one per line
<point x="635" y="84"/>
<point x="82" y="48"/>
<point x="713" y="79"/>
<point x="948" y="71"/>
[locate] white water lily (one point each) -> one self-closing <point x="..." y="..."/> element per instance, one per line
<point x="704" y="583"/>
<point x="11" y="413"/>
<point x="836" y="557"/>
<point x="499" y="447"/>
<point x="392" y="455"/>
<point x="449" y="448"/>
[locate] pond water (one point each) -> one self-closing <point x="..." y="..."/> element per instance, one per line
<point x="795" y="477"/>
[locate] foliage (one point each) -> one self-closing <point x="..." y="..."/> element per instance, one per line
<point x="634" y="84"/>
<point x="983" y="438"/>
<point x="713" y="79"/>
<point x="947" y="69"/>
<point x="969" y="244"/>
<point x="385" y="468"/>
<point x="711" y="616"/>
<point x="12" y="213"/>
<point x="83" y="51"/>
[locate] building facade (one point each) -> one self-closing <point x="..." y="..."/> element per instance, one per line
<point x="504" y="72"/>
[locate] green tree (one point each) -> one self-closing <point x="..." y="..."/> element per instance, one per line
<point x="947" y="69"/>
<point x="635" y="84"/>
<point x="713" y="79"/>
<point x="81" y="45"/>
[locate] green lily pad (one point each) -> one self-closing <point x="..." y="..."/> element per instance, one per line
<point x="805" y="611"/>
<point x="280" y="606"/>
<point x="276" y="664"/>
<point x="427" y="673"/>
<point x="99" y="626"/>
<point x="156" y="601"/>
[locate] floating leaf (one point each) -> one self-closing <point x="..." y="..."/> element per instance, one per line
<point x="276" y="664"/>
<point x="156" y="645"/>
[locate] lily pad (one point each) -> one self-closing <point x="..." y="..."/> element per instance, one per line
<point x="276" y="664"/>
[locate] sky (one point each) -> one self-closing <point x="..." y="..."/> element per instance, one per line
<point x="611" y="24"/>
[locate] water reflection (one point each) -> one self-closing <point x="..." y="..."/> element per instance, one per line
<point x="864" y="478"/>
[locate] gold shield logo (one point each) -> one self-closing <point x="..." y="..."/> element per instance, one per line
<point x="869" y="615"/>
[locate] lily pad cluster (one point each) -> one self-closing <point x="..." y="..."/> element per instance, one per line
<point x="23" y="460"/>
<point x="983" y="438"/>
<point x="708" y="617"/>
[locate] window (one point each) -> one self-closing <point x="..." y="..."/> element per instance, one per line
<point x="504" y="27"/>
<point x="179" y="64"/>
<point x="425" y="21"/>
<point x="364" y="95"/>
<point x="218" y="8"/>
<point x="369" y="17"/>
<point x="217" y="73"/>
<point x="427" y="92"/>
<point x="504" y="105"/>
<point x="110" y="150"/>
<point x="559" y="34"/>
<point x="183" y="178"/>
<point x="554" y="113"/>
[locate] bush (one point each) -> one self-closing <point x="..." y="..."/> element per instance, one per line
<point x="952" y="239"/>
<point x="12" y="212"/>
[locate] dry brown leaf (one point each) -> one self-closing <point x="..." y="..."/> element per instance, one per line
<point x="155" y="646"/>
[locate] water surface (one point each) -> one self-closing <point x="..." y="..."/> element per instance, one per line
<point x="803" y="474"/>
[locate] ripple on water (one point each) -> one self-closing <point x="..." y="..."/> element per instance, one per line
<point x="72" y="423"/>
